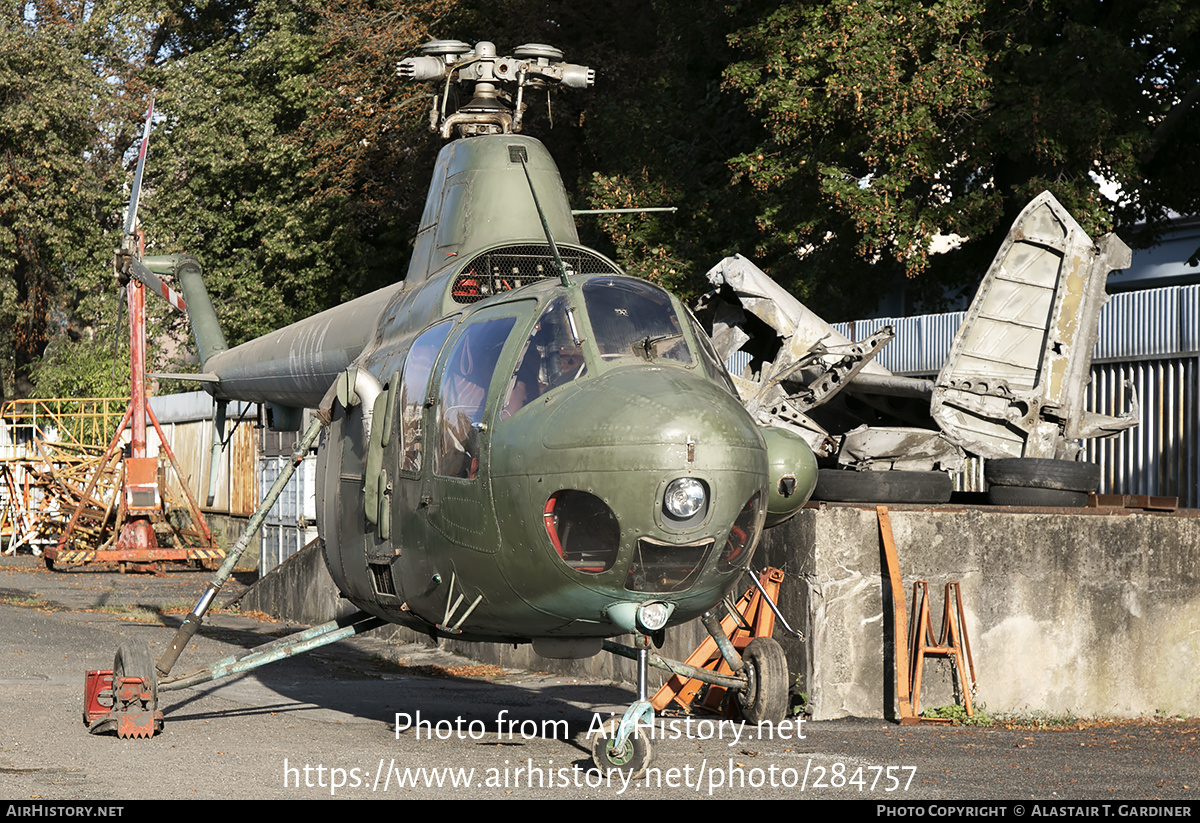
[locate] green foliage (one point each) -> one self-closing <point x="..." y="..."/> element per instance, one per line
<point x="81" y="368"/>
<point x="861" y="93"/>
<point x="889" y="122"/>
<point x="367" y="142"/>
<point x="958" y="713"/>
<point x="53" y="189"/>
<point x="798" y="698"/>
<point x="229" y="180"/>
<point x="660" y="132"/>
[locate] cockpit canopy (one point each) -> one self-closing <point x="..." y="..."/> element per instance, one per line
<point x="634" y="319"/>
<point x="607" y="321"/>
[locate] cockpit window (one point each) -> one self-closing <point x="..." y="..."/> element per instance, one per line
<point x="463" y="395"/>
<point x="551" y="357"/>
<point x="635" y="319"/>
<point x="413" y="387"/>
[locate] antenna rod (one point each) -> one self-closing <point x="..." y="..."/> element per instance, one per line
<point x="562" y="270"/>
<point x="577" y="212"/>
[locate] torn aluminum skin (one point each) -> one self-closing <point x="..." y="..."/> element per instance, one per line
<point x="1013" y="384"/>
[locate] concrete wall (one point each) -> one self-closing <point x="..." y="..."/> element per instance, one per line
<point x="226" y="529"/>
<point x="1089" y="613"/>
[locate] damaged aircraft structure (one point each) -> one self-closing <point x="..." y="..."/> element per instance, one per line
<point x="1011" y="390"/>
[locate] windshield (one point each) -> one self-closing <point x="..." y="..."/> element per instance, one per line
<point x="551" y="357"/>
<point x="632" y="318"/>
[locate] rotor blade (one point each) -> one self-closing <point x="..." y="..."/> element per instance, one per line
<point x="131" y="213"/>
<point x="150" y="280"/>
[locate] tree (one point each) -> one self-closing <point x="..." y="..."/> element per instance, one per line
<point x="367" y="141"/>
<point x="655" y="130"/>
<point x="660" y="132"/>
<point x="290" y="159"/>
<point x="889" y="122"/>
<point x="829" y="141"/>
<point x="72" y="96"/>
<point x="55" y="190"/>
<point x="226" y="182"/>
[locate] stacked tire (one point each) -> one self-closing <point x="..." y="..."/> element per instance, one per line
<point x="845" y="486"/>
<point x="1030" y="481"/>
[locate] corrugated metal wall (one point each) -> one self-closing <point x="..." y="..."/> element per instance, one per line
<point x="1149" y="339"/>
<point x="292" y="522"/>
<point x="1159" y="457"/>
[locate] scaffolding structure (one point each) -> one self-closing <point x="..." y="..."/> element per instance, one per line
<point x="63" y="466"/>
<point x="49" y="451"/>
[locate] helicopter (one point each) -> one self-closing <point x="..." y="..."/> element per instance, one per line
<point x="518" y="442"/>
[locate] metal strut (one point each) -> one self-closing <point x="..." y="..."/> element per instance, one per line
<point x="191" y="623"/>
<point x="717" y="661"/>
<point x="126" y="699"/>
<point x="619" y="746"/>
<point x="289" y="646"/>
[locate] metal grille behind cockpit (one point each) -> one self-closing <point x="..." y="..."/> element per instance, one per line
<point x="512" y="267"/>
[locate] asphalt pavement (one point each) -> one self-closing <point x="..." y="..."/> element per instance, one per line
<point x="369" y="719"/>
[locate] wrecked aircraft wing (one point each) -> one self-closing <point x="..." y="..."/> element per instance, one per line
<point x="878" y="448"/>
<point x="793" y="360"/>
<point x="790" y="362"/>
<point x="1013" y="384"/>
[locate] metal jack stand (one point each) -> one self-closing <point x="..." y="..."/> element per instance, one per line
<point x="919" y="636"/>
<point x="952" y="643"/>
<point x="753" y="616"/>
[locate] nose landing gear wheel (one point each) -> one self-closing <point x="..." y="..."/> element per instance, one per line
<point x="630" y="758"/>
<point x="766" y="694"/>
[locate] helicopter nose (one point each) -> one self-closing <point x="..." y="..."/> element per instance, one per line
<point x="644" y="480"/>
<point x="634" y="419"/>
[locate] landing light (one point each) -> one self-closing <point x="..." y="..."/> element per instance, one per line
<point x="653" y="615"/>
<point x="684" y="497"/>
<point x="641" y="618"/>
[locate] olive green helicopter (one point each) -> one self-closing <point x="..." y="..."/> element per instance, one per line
<point x="518" y="442"/>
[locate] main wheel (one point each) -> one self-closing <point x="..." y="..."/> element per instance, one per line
<point x="846" y="486"/>
<point x="134" y="659"/>
<point x="630" y="759"/>
<point x="766" y="694"/>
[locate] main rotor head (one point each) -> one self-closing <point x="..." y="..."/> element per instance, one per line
<point x="497" y="84"/>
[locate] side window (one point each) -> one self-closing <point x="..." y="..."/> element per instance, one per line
<point x="550" y="358"/>
<point x="463" y="394"/>
<point x="413" y="387"/>
<point x="709" y="356"/>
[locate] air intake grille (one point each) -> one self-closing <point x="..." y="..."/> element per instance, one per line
<point x="381" y="574"/>
<point x="509" y="268"/>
